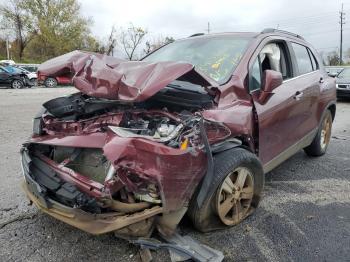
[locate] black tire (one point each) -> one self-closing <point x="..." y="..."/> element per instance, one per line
<point x="17" y="84"/>
<point x="319" y="145"/>
<point x="50" y="82"/>
<point x="206" y="217"/>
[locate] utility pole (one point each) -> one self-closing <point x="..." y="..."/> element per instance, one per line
<point x="342" y="22"/>
<point x="8" y="48"/>
<point x="208" y="29"/>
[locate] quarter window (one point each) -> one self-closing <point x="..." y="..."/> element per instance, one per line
<point x="303" y="59"/>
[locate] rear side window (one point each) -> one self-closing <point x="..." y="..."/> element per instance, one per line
<point x="303" y="59"/>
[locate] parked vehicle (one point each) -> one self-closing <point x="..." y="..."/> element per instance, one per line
<point x="52" y="80"/>
<point x="29" y="67"/>
<point x="9" y="62"/>
<point x="343" y="83"/>
<point x="14" y="79"/>
<point x="333" y="71"/>
<point x="31" y="76"/>
<point x="193" y="127"/>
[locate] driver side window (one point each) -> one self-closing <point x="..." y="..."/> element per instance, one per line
<point x="272" y="57"/>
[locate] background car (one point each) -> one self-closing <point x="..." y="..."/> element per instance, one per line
<point x="10" y="62"/>
<point x="343" y="83"/>
<point x="15" y="79"/>
<point x="53" y="81"/>
<point x="29" y="67"/>
<point x="32" y="76"/>
<point x="333" y="71"/>
<point x="30" y="79"/>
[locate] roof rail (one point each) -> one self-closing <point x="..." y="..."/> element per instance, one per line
<point x="198" y="34"/>
<point x="273" y="30"/>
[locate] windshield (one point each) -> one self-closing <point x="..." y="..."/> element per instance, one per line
<point x="216" y="57"/>
<point x="4" y="69"/>
<point x="345" y="73"/>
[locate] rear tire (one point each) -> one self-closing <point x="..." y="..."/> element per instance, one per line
<point x="319" y="145"/>
<point x="50" y="82"/>
<point x="17" y="84"/>
<point x="236" y="190"/>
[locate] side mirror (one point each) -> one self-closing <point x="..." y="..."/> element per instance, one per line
<point x="270" y="80"/>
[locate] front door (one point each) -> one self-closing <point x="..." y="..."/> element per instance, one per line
<point x="4" y="77"/>
<point x="281" y="117"/>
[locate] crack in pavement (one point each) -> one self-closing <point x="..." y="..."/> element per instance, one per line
<point x="17" y="218"/>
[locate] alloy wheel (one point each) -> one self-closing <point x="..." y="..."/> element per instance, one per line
<point x="16" y="84"/>
<point x="326" y="131"/>
<point x="235" y="196"/>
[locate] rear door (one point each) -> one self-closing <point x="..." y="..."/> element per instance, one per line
<point x="308" y="80"/>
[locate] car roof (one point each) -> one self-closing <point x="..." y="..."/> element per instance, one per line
<point x="265" y="33"/>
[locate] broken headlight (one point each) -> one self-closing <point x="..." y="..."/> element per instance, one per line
<point x="38" y="122"/>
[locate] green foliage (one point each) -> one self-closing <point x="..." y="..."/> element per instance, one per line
<point x="53" y="27"/>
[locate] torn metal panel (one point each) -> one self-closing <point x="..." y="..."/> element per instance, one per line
<point x="107" y="77"/>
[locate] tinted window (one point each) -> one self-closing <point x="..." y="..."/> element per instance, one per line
<point x="217" y="57"/>
<point x="303" y="59"/>
<point x="255" y="76"/>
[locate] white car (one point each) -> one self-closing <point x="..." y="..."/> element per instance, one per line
<point x="10" y="62"/>
<point x="32" y="76"/>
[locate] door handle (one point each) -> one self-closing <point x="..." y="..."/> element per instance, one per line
<point x="321" y="80"/>
<point x="298" y="95"/>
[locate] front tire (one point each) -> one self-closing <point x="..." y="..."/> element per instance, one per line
<point x="50" y="82"/>
<point x="17" y="84"/>
<point x="319" y="145"/>
<point x="237" y="185"/>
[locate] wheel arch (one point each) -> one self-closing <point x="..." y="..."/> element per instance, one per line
<point x="332" y="107"/>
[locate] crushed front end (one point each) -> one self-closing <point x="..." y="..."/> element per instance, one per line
<point x="127" y="152"/>
<point x="106" y="166"/>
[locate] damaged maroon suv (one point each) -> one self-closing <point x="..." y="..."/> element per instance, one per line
<point x="192" y="128"/>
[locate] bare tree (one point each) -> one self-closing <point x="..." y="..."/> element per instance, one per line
<point x="333" y="58"/>
<point x="112" y="42"/>
<point x="131" y="39"/>
<point x="16" y="18"/>
<point x="156" y="43"/>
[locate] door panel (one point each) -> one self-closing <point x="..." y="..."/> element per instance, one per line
<point x="4" y="78"/>
<point x="279" y="118"/>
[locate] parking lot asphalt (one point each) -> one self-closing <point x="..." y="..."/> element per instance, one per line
<point x="304" y="214"/>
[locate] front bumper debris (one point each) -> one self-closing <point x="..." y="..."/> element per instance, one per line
<point x="86" y="221"/>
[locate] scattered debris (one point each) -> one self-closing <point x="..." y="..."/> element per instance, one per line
<point x="145" y="255"/>
<point x="182" y="248"/>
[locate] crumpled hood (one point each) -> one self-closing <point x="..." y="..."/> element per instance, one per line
<point x="112" y="78"/>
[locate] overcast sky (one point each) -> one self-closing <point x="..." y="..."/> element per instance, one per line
<point x="316" y="20"/>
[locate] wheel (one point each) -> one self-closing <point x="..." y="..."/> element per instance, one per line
<point x="50" y="82"/>
<point x="319" y="145"/>
<point x="17" y="84"/>
<point x="236" y="189"/>
<point x="33" y="82"/>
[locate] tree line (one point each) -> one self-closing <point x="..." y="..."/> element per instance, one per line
<point x="37" y="30"/>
